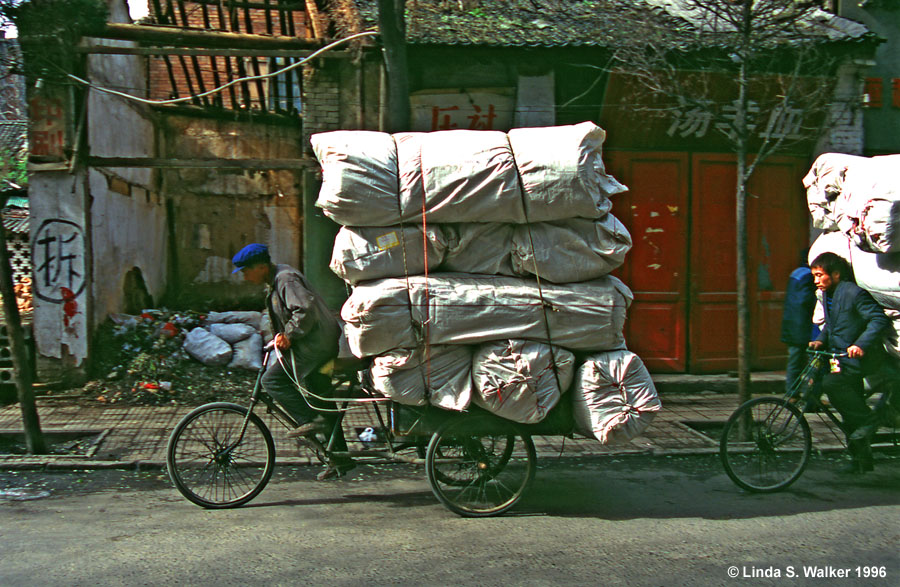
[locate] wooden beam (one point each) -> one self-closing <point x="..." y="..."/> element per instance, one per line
<point x="177" y="36"/>
<point x="160" y="163"/>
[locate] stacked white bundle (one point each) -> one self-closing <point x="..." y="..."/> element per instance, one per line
<point x="476" y="248"/>
<point x="859" y="196"/>
<point x="862" y="216"/>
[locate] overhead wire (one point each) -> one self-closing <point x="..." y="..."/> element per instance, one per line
<point x="290" y="67"/>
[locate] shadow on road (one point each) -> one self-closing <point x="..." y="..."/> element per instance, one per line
<point x="697" y="487"/>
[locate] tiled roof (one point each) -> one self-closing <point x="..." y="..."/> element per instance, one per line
<point x="12" y="135"/>
<point x="552" y="23"/>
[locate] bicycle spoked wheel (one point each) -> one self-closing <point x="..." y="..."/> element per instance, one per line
<point x="209" y="461"/>
<point x="765" y="445"/>
<point x="477" y="474"/>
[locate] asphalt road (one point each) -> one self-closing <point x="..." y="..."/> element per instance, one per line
<point x="624" y="521"/>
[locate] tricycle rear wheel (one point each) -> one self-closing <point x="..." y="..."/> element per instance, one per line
<point x="480" y="466"/>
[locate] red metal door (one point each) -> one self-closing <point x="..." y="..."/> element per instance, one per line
<point x="655" y="211"/>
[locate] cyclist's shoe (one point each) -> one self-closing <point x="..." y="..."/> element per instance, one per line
<point x="857" y="466"/>
<point x="335" y="470"/>
<point x="319" y="425"/>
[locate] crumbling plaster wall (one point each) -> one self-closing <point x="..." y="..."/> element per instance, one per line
<point x="217" y="211"/>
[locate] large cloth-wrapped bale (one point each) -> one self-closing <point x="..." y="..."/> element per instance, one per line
<point x="868" y="208"/>
<point x="562" y="171"/>
<point x="440" y="374"/>
<point x="824" y="184"/>
<point x="458" y="176"/>
<point x="359" y="177"/>
<point x="484" y="247"/>
<point x="567" y="251"/>
<point x="515" y="379"/>
<point x="613" y="397"/>
<point x="455" y="308"/>
<point x="366" y="253"/>
<point x="376" y="179"/>
<point x="877" y="273"/>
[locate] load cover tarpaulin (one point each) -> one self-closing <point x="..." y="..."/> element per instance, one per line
<point x="613" y="397"/>
<point x="468" y="309"/>
<point x="445" y="372"/>
<point x="464" y="176"/>
<point x="515" y="379"/>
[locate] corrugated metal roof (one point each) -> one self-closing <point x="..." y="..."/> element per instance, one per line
<point x="557" y="23"/>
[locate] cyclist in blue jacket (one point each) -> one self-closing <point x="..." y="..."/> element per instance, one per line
<point x="854" y="324"/>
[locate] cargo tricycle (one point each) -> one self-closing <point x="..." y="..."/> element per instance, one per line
<point x="222" y="455"/>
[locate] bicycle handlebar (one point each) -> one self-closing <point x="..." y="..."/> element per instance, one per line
<point x="828" y="354"/>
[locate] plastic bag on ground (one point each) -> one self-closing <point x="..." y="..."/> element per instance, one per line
<point x="207" y="348"/>
<point x="614" y="398"/>
<point x="441" y="374"/>
<point x="515" y="379"/>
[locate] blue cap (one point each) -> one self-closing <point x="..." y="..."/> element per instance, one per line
<point x="250" y="255"/>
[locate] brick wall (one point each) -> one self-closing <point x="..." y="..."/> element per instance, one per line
<point x="321" y="100"/>
<point x="184" y="69"/>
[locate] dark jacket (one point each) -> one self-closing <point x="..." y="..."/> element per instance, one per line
<point x="799" y="303"/>
<point x="300" y="314"/>
<point x="854" y="318"/>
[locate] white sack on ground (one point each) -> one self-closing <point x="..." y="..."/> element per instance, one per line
<point x="359" y="177"/>
<point x="445" y="372"/>
<point x="366" y="253"/>
<point x="458" y="176"/>
<point x="613" y="396"/>
<point x="567" y="251"/>
<point x="484" y="247"/>
<point x="247" y="353"/>
<point x="470" y="309"/>
<point x="515" y="379"/>
<point x="207" y="348"/>
<point x="824" y="183"/>
<point x="232" y="333"/>
<point x="562" y="171"/>
<point x="235" y="317"/>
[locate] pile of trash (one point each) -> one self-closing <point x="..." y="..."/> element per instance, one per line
<point x="856" y="202"/>
<point x="162" y="356"/>
<point x="480" y="266"/>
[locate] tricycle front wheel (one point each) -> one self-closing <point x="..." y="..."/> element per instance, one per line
<point x="212" y="464"/>
<point x="480" y="466"/>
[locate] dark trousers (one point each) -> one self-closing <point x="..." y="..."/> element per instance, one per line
<point x="797" y="359"/>
<point x="845" y="392"/>
<point x="278" y="384"/>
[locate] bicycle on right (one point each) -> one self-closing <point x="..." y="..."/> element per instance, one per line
<point x="766" y="444"/>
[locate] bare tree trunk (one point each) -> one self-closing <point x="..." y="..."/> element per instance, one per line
<point x="743" y="290"/>
<point x="393" y="37"/>
<point x="34" y="438"/>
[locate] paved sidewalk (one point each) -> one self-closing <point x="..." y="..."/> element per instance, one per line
<point x="135" y="437"/>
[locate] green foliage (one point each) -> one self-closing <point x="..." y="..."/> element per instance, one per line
<point x="13" y="169"/>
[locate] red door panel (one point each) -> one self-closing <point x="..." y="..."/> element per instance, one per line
<point x="713" y="346"/>
<point x="655" y="211"/>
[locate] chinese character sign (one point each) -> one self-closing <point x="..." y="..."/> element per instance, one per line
<point x="475" y="110"/>
<point x="47" y="135"/>
<point x="57" y="254"/>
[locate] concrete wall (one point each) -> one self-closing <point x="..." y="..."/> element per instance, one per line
<point x="215" y="212"/>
